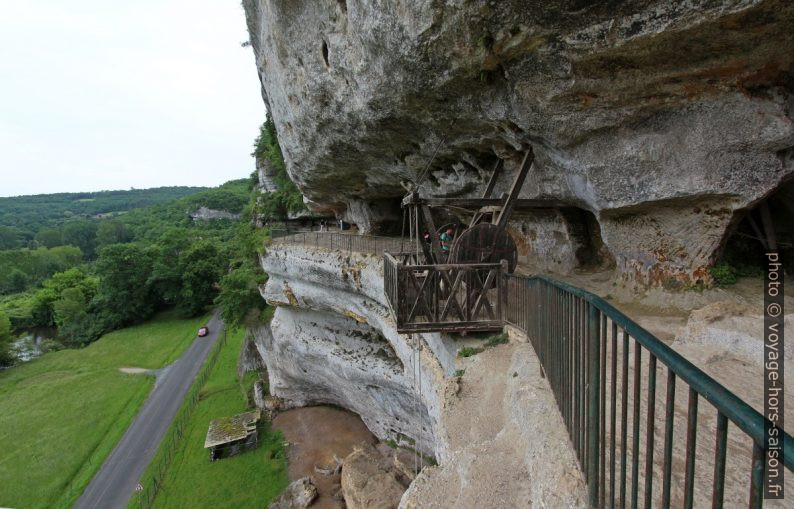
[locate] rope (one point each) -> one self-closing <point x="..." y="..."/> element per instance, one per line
<point x="416" y="401"/>
<point x="426" y="169"/>
<point x="416" y="230"/>
<point x="419" y="421"/>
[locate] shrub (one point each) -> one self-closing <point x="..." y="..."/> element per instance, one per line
<point x="499" y="339"/>
<point x="723" y="274"/>
<point x="468" y="351"/>
<point x="288" y="198"/>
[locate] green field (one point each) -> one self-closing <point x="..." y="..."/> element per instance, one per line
<point x="61" y="414"/>
<point x="248" y="480"/>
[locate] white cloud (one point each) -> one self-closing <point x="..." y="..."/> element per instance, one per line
<point x="111" y="95"/>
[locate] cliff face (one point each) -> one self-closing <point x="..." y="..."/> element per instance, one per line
<point x="333" y="340"/>
<point x="660" y="119"/>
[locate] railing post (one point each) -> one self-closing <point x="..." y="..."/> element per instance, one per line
<point x="593" y="410"/>
<point x="502" y="289"/>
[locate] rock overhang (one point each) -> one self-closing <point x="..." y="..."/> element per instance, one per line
<point x="626" y="105"/>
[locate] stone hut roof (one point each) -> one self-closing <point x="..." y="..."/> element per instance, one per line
<point x="231" y="429"/>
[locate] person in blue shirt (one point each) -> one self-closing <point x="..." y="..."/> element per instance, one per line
<point x="446" y="239"/>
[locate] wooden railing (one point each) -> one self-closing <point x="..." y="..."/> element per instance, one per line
<point x="340" y="241"/>
<point x="444" y="297"/>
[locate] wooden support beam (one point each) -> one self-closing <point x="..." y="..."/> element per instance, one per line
<point x="509" y="203"/>
<point x="497" y="170"/>
<point x="431" y="228"/>
<point x="429" y="258"/>
<point x="757" y="231"/>
<point x="769" y="229"/>
<point x="478" y="203"/>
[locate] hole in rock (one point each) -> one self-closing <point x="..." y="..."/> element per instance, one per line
<point x="325" y="54"/>
<point x="742" y="251"/>
<point x="585" y="233"/>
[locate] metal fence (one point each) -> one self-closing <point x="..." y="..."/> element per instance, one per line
<point x="340" y="241"/>
<point x="600" y="363"/>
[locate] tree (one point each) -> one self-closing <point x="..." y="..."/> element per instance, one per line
<point x="166" y="276"/>
<point x="43" y="310"/>
<point x="10" y="237"/>
<point x="111" y="232"/>
<point x="49" y="237"/>
<point x="17" y="281"/>
<point x="83" y="235"/>
<point x="124" y="295"/>
<point x="287" y="198"/>
<point x="6" y="341"/>
<point x="72" y="318"/>
<point x="239" y="295"/>
<point x="201" y="268"/>
<point x="70" y="307"/>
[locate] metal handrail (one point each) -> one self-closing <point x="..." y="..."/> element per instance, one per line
<point x="737" y="410"/>
<point x="568" y="328"/>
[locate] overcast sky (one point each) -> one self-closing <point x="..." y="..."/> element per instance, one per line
<point x="104" y="94"/>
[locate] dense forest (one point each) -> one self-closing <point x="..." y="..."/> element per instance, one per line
<point x="89" y="272"/>
<point x="30" y="219"/>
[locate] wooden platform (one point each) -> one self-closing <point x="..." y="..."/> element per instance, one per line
<point x="444" y="297"/>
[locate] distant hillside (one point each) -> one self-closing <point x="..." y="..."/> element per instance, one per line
<point x="230" y="197"/>
<point x="83" y="262"/>
<point x="21" y="217"/>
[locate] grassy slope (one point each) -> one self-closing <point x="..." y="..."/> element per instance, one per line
<point x="61" y="415"/>
<point x="249" y="480"/>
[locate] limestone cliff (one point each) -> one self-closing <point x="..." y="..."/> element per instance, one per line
<point x="333" y="340"/>
<point x="660" y="121"/>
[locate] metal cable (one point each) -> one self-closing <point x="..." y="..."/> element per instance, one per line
<point x="426" y="169"/>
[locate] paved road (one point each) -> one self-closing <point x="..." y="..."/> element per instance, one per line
<point x="114" y="483"/>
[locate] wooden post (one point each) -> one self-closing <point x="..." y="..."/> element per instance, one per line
<point x="502" y="286"/>
<point x="497" y="170"/>
<point x="509" y="203"/>
<point x="431" y="228"/>
<point x="769" y="229"/>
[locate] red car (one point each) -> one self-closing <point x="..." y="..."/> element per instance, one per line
<point x="203" y="331"/>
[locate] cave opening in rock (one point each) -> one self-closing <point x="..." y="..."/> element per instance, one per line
<point x="559" y="240"/>
<point x="585" y="234"/>
<point x="325" y="54"/>
<point x="753" y="232"/>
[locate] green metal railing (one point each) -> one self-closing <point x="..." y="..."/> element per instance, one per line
<point x="593" y="356"/>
